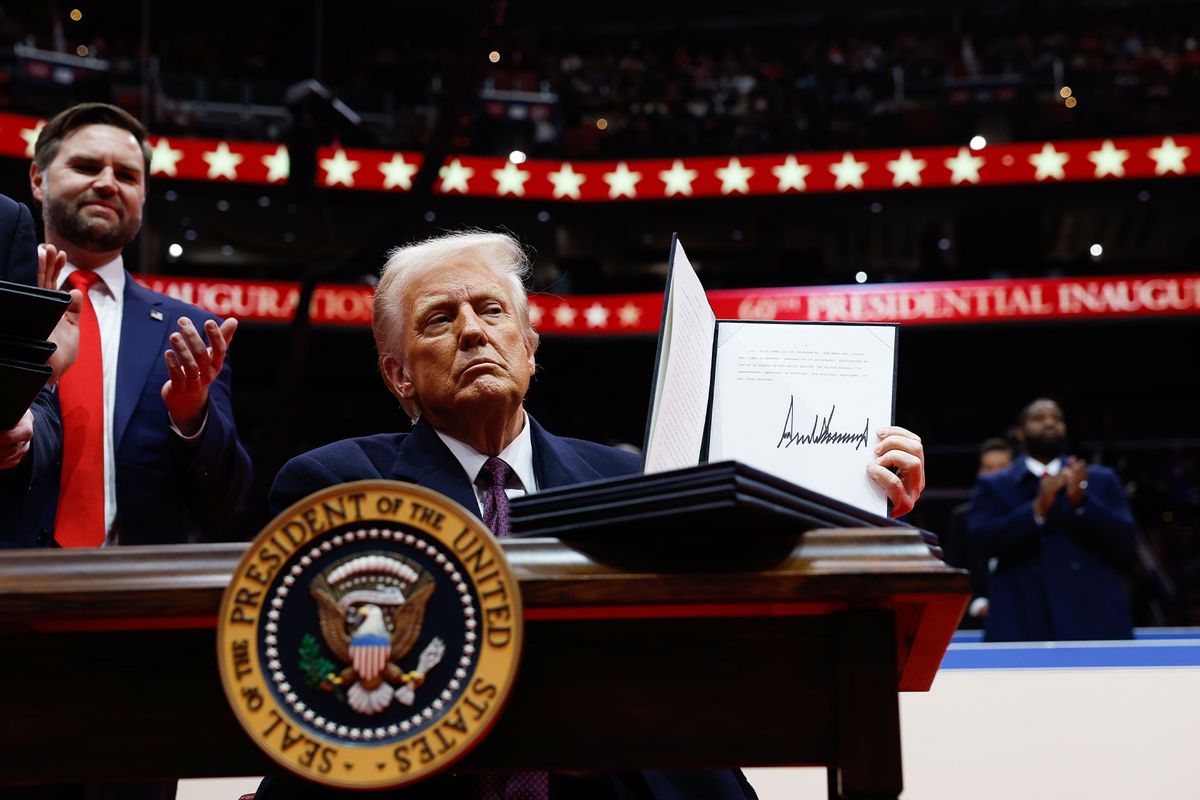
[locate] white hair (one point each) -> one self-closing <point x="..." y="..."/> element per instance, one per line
<point x="499" y="251"/>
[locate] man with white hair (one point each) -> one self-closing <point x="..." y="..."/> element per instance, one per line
<point x="456" y="348"/>
<point x="451" y="324"/>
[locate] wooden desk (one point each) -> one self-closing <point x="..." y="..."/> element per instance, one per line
<point x="109" y="664"/>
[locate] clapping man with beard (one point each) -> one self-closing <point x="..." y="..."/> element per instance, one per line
<point x="1061" y="536"/>
<point x="150" y="453"/>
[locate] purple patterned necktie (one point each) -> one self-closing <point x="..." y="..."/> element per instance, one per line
<point x="502" y="784"/>
<point x="494" y="477"/>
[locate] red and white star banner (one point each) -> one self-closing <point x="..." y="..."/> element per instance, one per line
<point x="242" y="162"/>
<point x="657" y="179"/>
<point x="807" y="173"/>
<point x="939" y="303"/>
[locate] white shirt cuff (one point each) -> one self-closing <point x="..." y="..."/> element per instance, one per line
<point x="195" y="435"/>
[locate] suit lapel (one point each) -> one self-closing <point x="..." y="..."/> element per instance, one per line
<point x="423" y="459"/>
<point x="142" y="342"/>
<point x="555" y="463"/>
<point x="1025" y="483"/>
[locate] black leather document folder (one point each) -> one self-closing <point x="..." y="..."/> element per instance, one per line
<point x="32" y="351"/>
<point x="19" y="384"/>
<point x="704" y="517"/>
<point x="30" y="312"/>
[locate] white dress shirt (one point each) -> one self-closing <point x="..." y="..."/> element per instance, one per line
<point x="1039" y="469"/>
<point x="518" y="455"/>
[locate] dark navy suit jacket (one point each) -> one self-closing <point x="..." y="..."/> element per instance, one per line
<point x="20" y="500"/>
<point x="420" y="457"/>
<point x="169" y="491"/>
<point x="18" y="242"/>
<point x="1062" y="579"/>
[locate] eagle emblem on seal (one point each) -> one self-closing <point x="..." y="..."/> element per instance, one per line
<point x="371" y="608"/>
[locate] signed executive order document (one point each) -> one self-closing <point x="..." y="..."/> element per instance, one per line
<point x="803" y="401"/>
<point x="799" y="400"/>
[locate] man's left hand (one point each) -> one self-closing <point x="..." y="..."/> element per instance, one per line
<point x="899" y="449"/>
<point x="192" y="366"/>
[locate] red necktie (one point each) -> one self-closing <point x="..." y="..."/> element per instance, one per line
<point x="502" y="784"/>
<point x="79" y="521"/>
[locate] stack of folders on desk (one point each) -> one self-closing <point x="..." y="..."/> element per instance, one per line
<point x="720" y="515"/>
<point x="27" y="316"/>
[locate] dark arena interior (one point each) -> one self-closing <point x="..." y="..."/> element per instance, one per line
<point x="615" y="81"/>
<point x="1007" y="181"/>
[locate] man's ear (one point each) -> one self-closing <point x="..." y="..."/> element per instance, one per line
<point x="396" y="377"/>
<point x="35" y="182"/>
<point x="531" y="346"/>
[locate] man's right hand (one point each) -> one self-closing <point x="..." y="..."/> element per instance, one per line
<point x="14" y="443"/>
<point x="1050" y="487"/>
<point x="66" y="332"/>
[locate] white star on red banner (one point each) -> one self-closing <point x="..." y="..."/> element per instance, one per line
<point x="535" y="314"/>
<point x="398" y="173"/>
<point x="1109" y="160"/>
<point x="164" y="158"/>
<point x="1049" y="163"/>
<point x="964" y="167"/>
<point x="278" y="164"/>
<point x="340" y="169"/>
<point x="1169" y="157"/>
<point x="223" y="162"/>
<point x="566" y="182"/>
<point x="906" y="169"/>
<point x="622" y="182"/>
<point x="678" y="179"/>
<point x="791" y="174"/>
<point x="734" y="177"/>
<point x="849" y="172"/>
<point x="510" y="179"/>
<point x="596" y="316"/>
<point x="455" y="176"/>
<point x="564" y="316"/>
<point x="30" y="135"/>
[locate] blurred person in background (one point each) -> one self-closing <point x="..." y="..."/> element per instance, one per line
<point x="960" y="550"/>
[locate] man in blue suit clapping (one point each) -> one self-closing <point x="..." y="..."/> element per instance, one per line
<point x="150" y="453"/>
<point x="1061" y="536"/>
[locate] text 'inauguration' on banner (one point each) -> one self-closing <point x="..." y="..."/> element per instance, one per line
<point x="939" y="303"/>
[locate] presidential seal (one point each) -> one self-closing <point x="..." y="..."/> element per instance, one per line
<point x="370" y="635"/>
